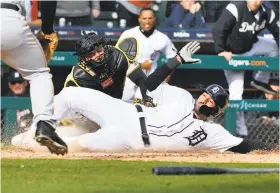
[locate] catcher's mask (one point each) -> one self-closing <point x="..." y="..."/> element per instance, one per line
<point x="87" y="45"/>
<point x="219" y="96"/>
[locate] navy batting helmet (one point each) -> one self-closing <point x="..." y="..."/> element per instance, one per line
<point x="220" y="97"/>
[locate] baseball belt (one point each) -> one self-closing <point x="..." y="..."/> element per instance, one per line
<point x="145" y="135"/>
<point x="9" y="6"/>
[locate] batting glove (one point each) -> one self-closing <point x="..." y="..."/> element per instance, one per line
<point x="187" y="51"/>
<point x="148" y="101"/>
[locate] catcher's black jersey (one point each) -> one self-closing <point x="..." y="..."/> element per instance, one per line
<point x="111" y="83"/>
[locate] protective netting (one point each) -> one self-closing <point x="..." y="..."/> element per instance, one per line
<point x="257" y="130"/>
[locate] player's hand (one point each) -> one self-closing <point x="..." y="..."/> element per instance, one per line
<point x="227" y="55"/>
<point x="268" y="121"/>
<point x="147" y="64"/>
<point x="197" y="6"/>
<point x="148" y="102"/>
<point x="48" y="42"/>
<point x="188" y="50"/>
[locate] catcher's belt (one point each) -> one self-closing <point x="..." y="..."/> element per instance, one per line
<point x="145" y="135"/>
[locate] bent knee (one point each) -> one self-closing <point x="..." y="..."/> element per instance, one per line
<point x="36" y="74"/>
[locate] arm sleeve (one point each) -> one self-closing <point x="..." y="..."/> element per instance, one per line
<point x="273" y="26"/>
<point x="249" y="145"/>
<point x="158" y="76"/>
<point x="48" y="9"/>
<point x="223" y="27"/>
<point x="138" y="77"/>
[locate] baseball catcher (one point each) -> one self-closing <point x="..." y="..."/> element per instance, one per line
<point x="104" y="67"/>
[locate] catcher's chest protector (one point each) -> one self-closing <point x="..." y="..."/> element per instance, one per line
<point x="111" y="83"/>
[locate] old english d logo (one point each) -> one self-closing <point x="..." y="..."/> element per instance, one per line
<point x="215" y="89"/>
<point x="197" y="137"/>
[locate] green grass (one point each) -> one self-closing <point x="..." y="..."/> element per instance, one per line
<point x="69" y="176"/>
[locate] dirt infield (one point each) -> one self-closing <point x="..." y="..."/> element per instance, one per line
<point x="201" y="156"/>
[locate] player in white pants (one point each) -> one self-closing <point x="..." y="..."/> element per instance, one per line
<point x="21" y="50"/>
<point x="179" y="125"/>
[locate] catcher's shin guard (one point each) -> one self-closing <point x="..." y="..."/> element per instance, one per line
<point x="46" y="136"/>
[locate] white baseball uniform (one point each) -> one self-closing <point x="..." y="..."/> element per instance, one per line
<point x="170" y="125"/>
<point x="149" y="48"/>
<point x="22" y="51"/>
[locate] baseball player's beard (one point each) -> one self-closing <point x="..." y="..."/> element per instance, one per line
<point x="198" y="114"/>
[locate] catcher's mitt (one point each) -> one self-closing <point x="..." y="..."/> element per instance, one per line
<point x="48" y="42"/>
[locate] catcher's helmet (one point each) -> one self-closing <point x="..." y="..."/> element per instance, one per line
<point x="87" y="44"/>
<point x="220" y="97"/>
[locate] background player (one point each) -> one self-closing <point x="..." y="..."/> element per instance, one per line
<point x="151" y="43"/>
<point x="236" y="33"/>
<point x="22" y="51"/>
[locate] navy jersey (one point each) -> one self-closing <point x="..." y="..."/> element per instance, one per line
<point x="238" y="27"/>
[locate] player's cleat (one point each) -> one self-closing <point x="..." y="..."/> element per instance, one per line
<point x="46" y="136"/>
<point x="263" y="87"/>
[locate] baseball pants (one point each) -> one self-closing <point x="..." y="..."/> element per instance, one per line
<point x="21" y="50"/>
<point x="117" y="131"/>
<point x="235" y="79"/>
